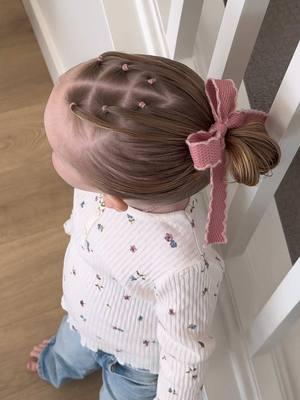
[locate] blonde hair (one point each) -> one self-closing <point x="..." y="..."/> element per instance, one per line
<point x="140" y="109"/>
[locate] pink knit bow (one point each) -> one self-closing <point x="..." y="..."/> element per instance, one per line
<point x="207" y="150"/>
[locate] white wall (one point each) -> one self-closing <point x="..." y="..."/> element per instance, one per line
<point x="69" y="31"/>
<point x="73" y="31"/>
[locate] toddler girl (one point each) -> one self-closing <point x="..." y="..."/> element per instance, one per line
<point x="139" y="137"/>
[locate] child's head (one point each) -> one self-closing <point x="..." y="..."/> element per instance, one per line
<point x="118" y="125"/>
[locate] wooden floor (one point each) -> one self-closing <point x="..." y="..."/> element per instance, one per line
<point x="34" y="203"/>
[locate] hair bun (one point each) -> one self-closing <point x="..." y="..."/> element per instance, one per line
<point x="251" y="152"/>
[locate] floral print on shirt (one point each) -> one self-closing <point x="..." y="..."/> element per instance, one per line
<point x="137" y="277"/>
<point x="169" y="238"/>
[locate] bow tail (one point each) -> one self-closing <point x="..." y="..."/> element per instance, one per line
<point x="215" y="231"/>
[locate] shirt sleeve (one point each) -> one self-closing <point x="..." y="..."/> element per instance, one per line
<point x="185" y="306"/>
<point x="68" y="225"/>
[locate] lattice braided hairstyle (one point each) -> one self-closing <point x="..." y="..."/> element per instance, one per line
<point x="140" y="109"/>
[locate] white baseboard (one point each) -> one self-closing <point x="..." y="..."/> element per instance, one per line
<point x="44" y="38"/>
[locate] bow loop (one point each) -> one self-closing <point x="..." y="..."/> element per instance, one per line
<point x="222" y="99"/>
<point x="206" y="152"/>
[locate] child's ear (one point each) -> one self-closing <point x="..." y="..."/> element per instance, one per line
<point x="115" y="202"/>
<point x="121" y="205"/>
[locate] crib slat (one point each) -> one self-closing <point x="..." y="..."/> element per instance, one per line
<point x="249" y="203"/>
<point x="280" y="311"/>
<point x="239" y="29"/>
<point x="182" y="27"/>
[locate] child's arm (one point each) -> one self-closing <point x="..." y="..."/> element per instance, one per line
<point x="67" y="225"/>
<point x="185" y="306"/>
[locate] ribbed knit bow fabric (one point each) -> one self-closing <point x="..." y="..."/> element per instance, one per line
<point x="207" y="149"/>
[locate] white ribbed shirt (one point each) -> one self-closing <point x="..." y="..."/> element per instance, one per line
<point x="139" y="285"/>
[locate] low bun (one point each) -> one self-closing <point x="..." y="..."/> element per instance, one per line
<point x="251" y="152"/>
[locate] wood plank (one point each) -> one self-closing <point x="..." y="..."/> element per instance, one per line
<point x="34" y="203"/>
<point x="17" y="340"/>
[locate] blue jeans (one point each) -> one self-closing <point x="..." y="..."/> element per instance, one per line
<point x="64" y="359"/>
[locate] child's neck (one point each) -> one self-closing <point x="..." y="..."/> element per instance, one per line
<point x="141" y="205"/>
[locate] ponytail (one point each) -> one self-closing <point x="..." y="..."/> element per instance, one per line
<point x="251" y="152"/>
